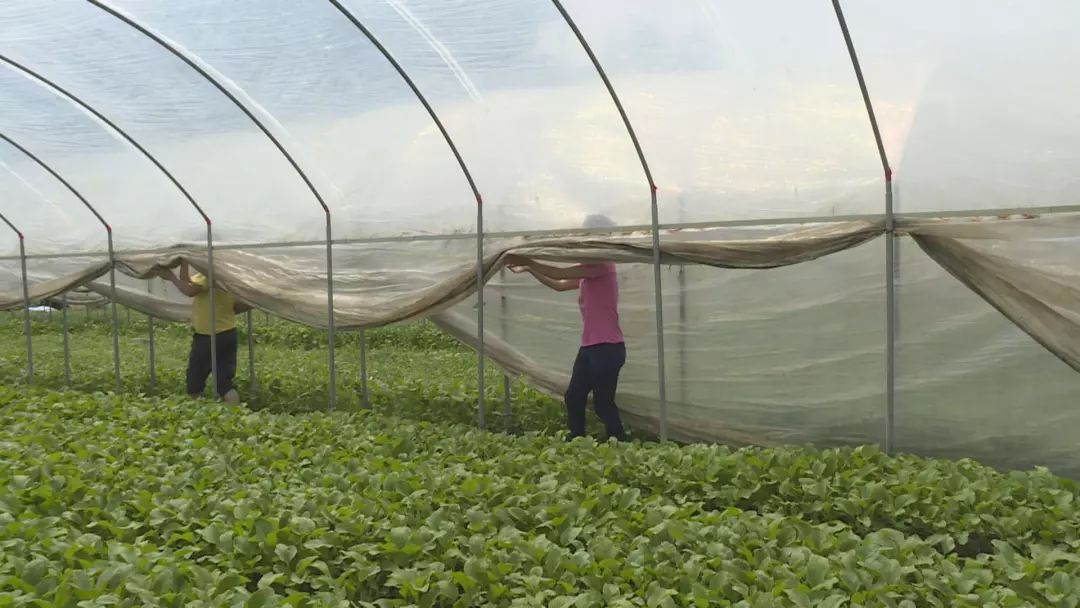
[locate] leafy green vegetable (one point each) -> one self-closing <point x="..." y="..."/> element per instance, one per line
<point x="133" y="501"/>
<point x="415" y="370"/>
<point x="147" y="500"/>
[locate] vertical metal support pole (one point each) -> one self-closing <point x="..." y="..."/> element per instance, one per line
<point x="26" y="313"/>
<point x="365" y="391"/>
<point x="153" y="359"/>
<point x="115" y="314"/>
<point x="507" y="404"/>
<point x="661" y="354"/>
<point x="252" y="386"/>
<point x="330" y="312"/>
<point x="682" y="315"/>
<point x="67" y="341"/>
<point x="895" y="315"/>
<point x="211" y="288"/>
<point x="480" y="350"/>
<point x="898" y="264"/>
<point x="890" y="243"/>
<point x="890" y="313"/>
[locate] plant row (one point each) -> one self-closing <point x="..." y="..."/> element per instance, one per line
<point x="960" y="506"/>
<point x="127" y="501"/>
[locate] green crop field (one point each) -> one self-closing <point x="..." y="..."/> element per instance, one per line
<point x="415" y="370"/>
<point x="148" y="499"/>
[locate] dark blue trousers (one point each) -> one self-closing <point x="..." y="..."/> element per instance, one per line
<point x="199" y="365"/>
<point x="596" y="371"/>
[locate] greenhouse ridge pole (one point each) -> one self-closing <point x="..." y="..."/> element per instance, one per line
<point x="890" y="239"/>
<point x="168" y="174"/>
<point x="865" y="92"/>
<point x="622" y="229"/>
<point x="472" y="185"/>
<point x="183" y="56"/>
<point x="657" y="283"/>
<point x="112" y="251"/>
<point x="26" y="301"/>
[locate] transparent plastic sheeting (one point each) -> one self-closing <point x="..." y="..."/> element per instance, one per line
<point x="971" y="384"/>
<point x="796" y="355"/>
<point x="286" y="286"/>
<point x="41" y="270"/>
<point x="743" y="365"/>
<point x="745" y="111"/>
<point x="975" y="99"/>
<point x="743" y="114"/>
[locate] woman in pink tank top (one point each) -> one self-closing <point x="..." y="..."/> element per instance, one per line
<point x="603" y="350"/>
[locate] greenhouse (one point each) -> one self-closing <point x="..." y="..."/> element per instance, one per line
<point x="834" y="227"/>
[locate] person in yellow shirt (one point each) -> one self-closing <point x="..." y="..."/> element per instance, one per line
<point x="225" y="309"/>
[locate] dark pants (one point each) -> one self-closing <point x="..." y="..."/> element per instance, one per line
<point x="199" y="366"/>
<point x="596" y="371"/>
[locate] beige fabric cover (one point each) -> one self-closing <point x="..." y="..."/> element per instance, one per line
<point x="1043" y="301"/>
<point x="1044" y="304"/>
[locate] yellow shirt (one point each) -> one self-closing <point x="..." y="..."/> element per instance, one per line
<point x="224" y="317"/>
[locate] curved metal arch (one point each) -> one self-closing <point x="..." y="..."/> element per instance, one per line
<point x="168" y="174"/>
<point x="890" y="238"/>
<point x="863" y="89"/>
<point x="112" y="251"/>
<point x="660" y="352"/>
<point x="17" y="232"/>
<point x="59" y="178"/>
<point x="611" y="91"/>
<point x="112" y="125"/>
<point x="26" y="300"/>
<point x="193" y="64"/>
<point x="416" y="91"/>
<point x="183" y="56"/>
<point x="468" y="177"/>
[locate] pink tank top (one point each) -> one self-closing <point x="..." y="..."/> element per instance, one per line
<point x="598" y="299"/>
